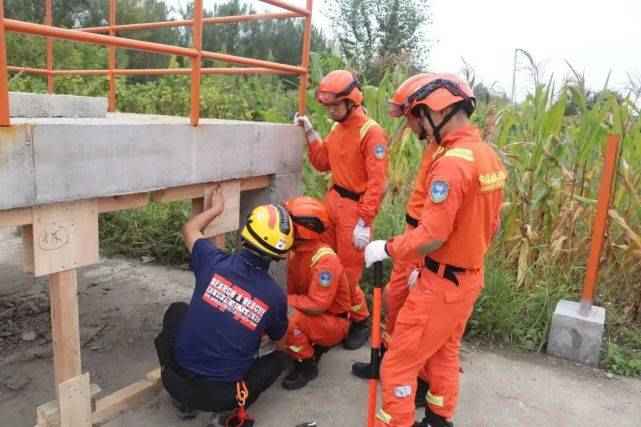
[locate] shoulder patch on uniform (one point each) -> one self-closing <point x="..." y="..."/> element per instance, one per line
<point x="379" y="151"/>
<point x="439" y="191"/>
<point x="461" y="153"/>
<point x="325" y="279"/>
<point x="324" y="251"/>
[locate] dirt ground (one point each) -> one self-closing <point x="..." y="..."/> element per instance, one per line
<point x="121" y="305"/>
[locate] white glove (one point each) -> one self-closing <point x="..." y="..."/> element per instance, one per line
<point x="302" y="120"/>
<point x="361" y="235"/>
<point x="413" y="277"/>
<point x="375" y="252"/>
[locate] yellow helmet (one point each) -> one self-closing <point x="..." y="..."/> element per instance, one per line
<point x="269" y="229"/>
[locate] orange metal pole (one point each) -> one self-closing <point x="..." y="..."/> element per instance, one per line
<point x="286" y="6"/>
<point x="229" y="71"/>
<point x="80" y="36"/>
<point x="307" y="42"/>
<point x="49" y="21"/>
<point x="30" y="70"/>
<point x="252" y="62"/>
<point x="600" y="222"/>
<point x="375" y="355"/>
<point x="111" y="103"/>
<point x="188" y="22"/>
<point x="4" y="83"/>
<point x="196" y="63"/>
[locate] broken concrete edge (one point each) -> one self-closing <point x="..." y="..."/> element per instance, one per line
<point x="574" y="336"/>
<point x="35" y="105"/>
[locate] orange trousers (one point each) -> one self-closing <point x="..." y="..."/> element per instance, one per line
<point x="394" y="295"/>
<point x="344" y="214"/>
<point x="304" y="331"/>
<point x="426" y="342"/>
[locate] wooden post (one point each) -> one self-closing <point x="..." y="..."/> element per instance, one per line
<point x="65" y="325"/>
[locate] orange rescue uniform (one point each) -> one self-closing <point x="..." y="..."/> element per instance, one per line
<point x="319" y="291"/>
<point x="396" y="290"/>
<point x="462" y="209"/>
<point x="355" y="152"/>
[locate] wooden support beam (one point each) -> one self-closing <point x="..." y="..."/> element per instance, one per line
<point x="127" y="398"/>
<point x="16" y="217"/>
<point x="65" y="236"/>
<point x="27" y="249"/>
<point x="24" y="216"/>
<point x="230" y="218"/>
<point x="48" y="414"/>
<point x="65" y="325"/>
<point x="119" y="203"/>
<point x="74" y="398"/>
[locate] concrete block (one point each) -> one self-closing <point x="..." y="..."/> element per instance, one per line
<point x="75" y="159"/>
<point x="23" y="104"/>
<point x="17" y="175"/>
<point x="574" y="336"/>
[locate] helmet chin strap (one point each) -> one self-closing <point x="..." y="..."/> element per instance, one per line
<point x="436" y="129"/>
<point x="350" y="106"/>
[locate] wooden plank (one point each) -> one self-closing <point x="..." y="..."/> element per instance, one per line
<point x="66" y="236"/>
<point x="74" y="398"/>
<point x="119" y="203"/>
<point x="65" y="329"/>
<point x="15" y="217"/>
<point x="229" y="220"/>
<point x="179" y="193"/>
<point x="255" y="183"/>
<point x="48" y="414"/>
<point x="27" y="249"/>
<point x="127" y="398"/>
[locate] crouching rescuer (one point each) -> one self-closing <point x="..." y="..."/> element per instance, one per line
<point x="319" y="293"/>
<point x="208" y="349"/>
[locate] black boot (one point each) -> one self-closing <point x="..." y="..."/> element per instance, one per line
<point x="302" y="373"/>
<point x="183" y="411"/>
<point x="319" y="350"/>
<point x="363" y="370"/>
<point x="358" y="335"/>
<point x="421" y="393"/>
<point x="433" y="420"/>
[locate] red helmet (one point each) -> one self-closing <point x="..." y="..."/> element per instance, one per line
<point x="309" y="216"/>
<point x="337" y="86"/>
<point x="436" y="91"/>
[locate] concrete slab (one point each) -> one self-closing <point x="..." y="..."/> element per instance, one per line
<point x="76" y="159"/>
<point x="17" y="174"/>
<point x="22" y="104"/>
<point x="574" y="336"/>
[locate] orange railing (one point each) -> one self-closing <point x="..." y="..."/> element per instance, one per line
<point x="113" y="41"/>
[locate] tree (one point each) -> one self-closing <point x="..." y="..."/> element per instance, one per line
<point x="374" y="34"/>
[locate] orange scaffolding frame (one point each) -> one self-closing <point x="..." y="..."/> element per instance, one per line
<point x="112" y="41"/>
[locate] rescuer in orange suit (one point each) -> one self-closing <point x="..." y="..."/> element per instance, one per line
<point x="317" y="289"/>
<point x="460" y="217"/>
<point x="355" y="152"/>
<point x="405" y="272"/>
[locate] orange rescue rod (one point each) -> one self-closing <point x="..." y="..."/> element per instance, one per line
<point x="600" y="223"/>
<point x="375" y="355"/>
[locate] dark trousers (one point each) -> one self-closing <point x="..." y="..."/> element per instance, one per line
<point x="200" y="393"/>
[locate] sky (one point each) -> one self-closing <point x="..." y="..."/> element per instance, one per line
<point x="595" y="36"/>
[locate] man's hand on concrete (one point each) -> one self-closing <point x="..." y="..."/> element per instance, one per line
<point x="216" y="200"/>
<point x="304" y="122"/>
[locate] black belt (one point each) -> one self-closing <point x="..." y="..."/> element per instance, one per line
<point x="411" y="220"/>
<point x="448" y="273"/>
<point x="348" y="194"/>
<point x="344" y="315"/>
